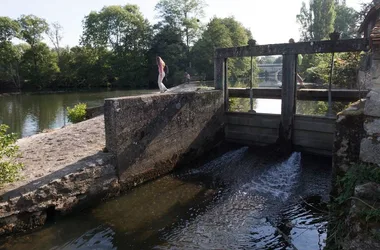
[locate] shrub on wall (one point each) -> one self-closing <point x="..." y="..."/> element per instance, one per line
<point x="77" y="113"/>
<point x="9" y="168"/>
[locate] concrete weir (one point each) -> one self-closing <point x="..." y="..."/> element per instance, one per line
<point x="138" y="138"/>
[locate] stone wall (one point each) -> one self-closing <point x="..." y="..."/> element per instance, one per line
<point x="370" y="145"/>
<point x="352" y="147"/>
<point x="94" y="112"/>
<point x="357" y="156"/>
<point x="64" y="169"/>
<point x="348" y="136"/>
<point x="151" y="134"/>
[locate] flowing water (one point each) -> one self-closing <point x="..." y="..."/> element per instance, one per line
<point x="244" y="199"/>
<point x="30" y="113"/>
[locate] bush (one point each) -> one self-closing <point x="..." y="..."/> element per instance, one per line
<point x="78" y="113"/>
<point x="9" y="168"/>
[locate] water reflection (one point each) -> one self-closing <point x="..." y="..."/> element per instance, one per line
<point x="28" y="114"/>
<point x="273" y="106"/>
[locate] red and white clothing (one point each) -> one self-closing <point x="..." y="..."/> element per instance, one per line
<point x="161" y="74"/>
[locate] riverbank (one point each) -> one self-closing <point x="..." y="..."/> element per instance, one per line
<point x="70" y="168"/>
<point x="64" y="168"/>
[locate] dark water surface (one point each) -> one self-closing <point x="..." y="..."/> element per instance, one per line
<point x="237" y="201"/>
<point x="30" y="113"/>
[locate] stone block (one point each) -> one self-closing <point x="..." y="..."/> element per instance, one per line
<point x="370" y="150"/>
<point x="375" y="72"/>
<point x="372" y="105"/>
<point x="372" y="126"/>
<point x="368" y="191"/>
<point x="151" y="134"/>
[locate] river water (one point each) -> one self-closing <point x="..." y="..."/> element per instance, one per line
<point x="30" y="113"/>
<point x="242" y="199"/>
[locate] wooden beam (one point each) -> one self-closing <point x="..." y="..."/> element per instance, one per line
<point x="288" y="104"/>
<point x="265" y="93"/>
<point x="225" y="85"/>
<point x="341" y="95"/>
<point x="347" y="45"/>
<point x="219" y="73"/>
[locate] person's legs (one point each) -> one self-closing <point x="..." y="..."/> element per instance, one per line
<point x="160" y="84"/>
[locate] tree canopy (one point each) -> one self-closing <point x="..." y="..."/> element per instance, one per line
<point x="118" y="45"/>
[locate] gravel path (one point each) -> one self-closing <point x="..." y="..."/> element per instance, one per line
<point x="48" y="156"/>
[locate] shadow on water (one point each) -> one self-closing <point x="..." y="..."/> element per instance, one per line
<point x="245" y="198"/>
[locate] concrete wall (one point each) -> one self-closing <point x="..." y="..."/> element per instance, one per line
<point x="151" y="134"/>
<point x="94" y="112"/>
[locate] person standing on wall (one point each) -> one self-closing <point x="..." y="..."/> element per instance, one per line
<point x="161" y="74"/>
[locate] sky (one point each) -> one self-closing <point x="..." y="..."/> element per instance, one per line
<point x="270" y="21"/>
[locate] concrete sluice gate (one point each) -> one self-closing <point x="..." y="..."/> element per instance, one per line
<point x="247" y="198"/>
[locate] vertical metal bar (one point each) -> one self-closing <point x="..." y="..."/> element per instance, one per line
<point x="250" y="86"/>
<point x="329" y="111"/>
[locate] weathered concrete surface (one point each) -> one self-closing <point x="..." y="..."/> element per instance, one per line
<point x="372" y="126"/>
<point x="348" y="135"/>
<point x="63" y="170"/>
<point x="69" y="168"/>
<point x="151" y="134"/>
<point x="370" y="150"/>
<point x="372" y="107"/>
<point x="370" y="146"/>
<point x="94" y="112"/>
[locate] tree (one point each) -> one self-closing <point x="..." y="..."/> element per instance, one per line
<point x="44" y="73"/>
<point x="87" y="66"/>
<point x="122" y="28"/>
<point x="365" y="8"/>
<point x="346" y="20"/>
<point x="221" y="33"/>
<point x="32" y="29"/>
<point x="184" y="15"/>
<point x="317" y="20"/>
<point x="168" y="44"/>
<point x="55" y="35"/>
<point x="9" y="54"/>
<point x="9" y="29"/>
<point x="125" y="31"/>
<point x="10" y="59"/>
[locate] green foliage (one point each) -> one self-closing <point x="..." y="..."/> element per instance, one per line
<point x="9" y="29"/>
<point x="39" y="65"/>
<point x="124" y="30"/>
<point x="318" y="107"/>
<point x="32" y="29"/>
<point x="77" y="113"/>
<point x="222" y="32"/>
<point x="240" y="104"/>
<point x="346" y="21"/>
<point x="357" y="174"/>
<point x="339" y="207"/>
<point x="317" y="20"/>
<point x="10" y="59"/>
<point x="9" y="168"/>
<point x="183" y="15"/>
